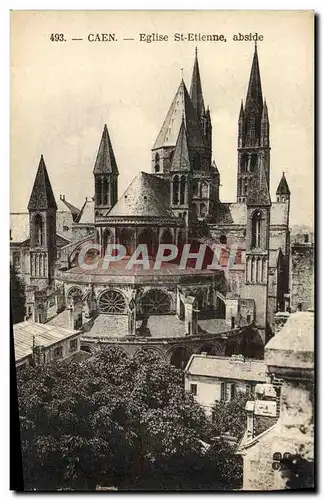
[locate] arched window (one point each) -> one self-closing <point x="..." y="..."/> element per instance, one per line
<point x="203" y="210"/>
<point x="74" y="294"/>
<point x="256" y="229"/>
<point x="157" y="163"/>
<point x="245" y="190"/>
<point x="204" y="190"/>
<point x="243" y="163"/>
<point x="167" y="237"/>
<point x="182" y="190"/>
<point x="99" y="192"/>
<point x="195" y="186"/>
<point x="105" y="192"/>
<point x="155" y="302"/>
<point x="126" y="238"/>
<point x="39" y="230"/>
<point x="112" y="302"/>
<point x="107" y="238"/>
<point x="175" y="192"/>
<point x="253" y="162"/>
<point x="197" y="161"/>
<point x="148" y="237"/>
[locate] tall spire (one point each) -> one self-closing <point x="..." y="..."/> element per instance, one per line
<point x="254" y="92"/>
<point x="42" y="196"/>
<point x="105" y="161"/>
<point x="196" y="89"/>
<point x="180" y="161"/>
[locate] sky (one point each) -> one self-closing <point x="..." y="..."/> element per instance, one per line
<point x="62" y="94"/>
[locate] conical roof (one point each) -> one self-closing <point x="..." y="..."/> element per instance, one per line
<point x="196" y="93"/>
<point x="259" y="193"/>
<point x="105" y="161"/>
<point x="181" y="106"/>
<point x="180" y="160"/>
<point x="283" y="187"/>
<point x="42" y="196"/>
<point x="144" y="197"/>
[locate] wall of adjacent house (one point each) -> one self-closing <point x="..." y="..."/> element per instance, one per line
<point x="302" y="276"/>
<point x="66" y="349"/>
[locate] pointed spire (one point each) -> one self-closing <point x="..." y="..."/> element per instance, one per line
<point x="180" y="160"/>
<point x="196" y="93"/>
<point x="259" y="192"/>
<point x="42" y="196"/>
<point x="105" y="161"/>
<point x="181" y="106"/>
<point x="215" y="167"/>
<point x="283" y="188"/>
<point x="254" y="92"/>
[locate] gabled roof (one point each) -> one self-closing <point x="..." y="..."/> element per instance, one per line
<point x="86" y="215"/>
<point x="283" y="187"/>
<point x="42" y="196"/>
<point x="180" y="160"/>
<point x="74" y="210"/>
<point x="105" y="161"/>
<point x="196" y="93"/>
<point x="146" y="196"/>
<point x="259" y="194"/>
<point x="181" y="106"/>
<point x="227" y="367"/>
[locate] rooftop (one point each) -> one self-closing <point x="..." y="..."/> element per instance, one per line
<point x="28" y="332"/>
<point x="234" y="368"/>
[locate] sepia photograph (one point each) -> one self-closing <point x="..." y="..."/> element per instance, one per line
<point x="162" y="250"/>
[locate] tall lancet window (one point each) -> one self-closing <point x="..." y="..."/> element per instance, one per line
<point x="157" y="163"/>
<point x="39" y="230"/>
<point x="182" y="190"/>
<point x="175" y="190"/>
<point x="256" y="229"/>
<point x="99" y="192"/>
<point x="105" y="192"/>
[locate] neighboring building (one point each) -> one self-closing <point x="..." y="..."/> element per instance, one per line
<point x="38" y="344"/>
<point x="268" y="457"/>
<point x="219" y="378"/>
<point x="302" y="271"/>
<point x="176" y="312"/>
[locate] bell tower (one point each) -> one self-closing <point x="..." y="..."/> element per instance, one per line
<point x="42" y="223"/>
<point x="253" y="135"/>
<point x="105" y="176"/>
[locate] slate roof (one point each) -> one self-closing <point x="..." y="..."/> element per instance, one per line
<point x="146" y="196"/>
<point x="226" y="368"/>
<point x="283" y="187"/>
<point x="86" y="215"/>
<point x="42" y="196"/>
<point x="230" y="213"/>
<point x="45" y="335"/>
<point x="181" y="107"/>
<point x="105" y="161"/>
<point x="180" y="160"/>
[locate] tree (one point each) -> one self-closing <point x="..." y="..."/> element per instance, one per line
<point x="17" y="296"/>
<point x="230" y="416"/>
<point x="111" y="420"/>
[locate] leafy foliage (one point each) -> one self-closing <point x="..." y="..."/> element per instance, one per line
<point x="230" y="416"/>
<point x="110" y="421"/>
<point x="17" y="296"/>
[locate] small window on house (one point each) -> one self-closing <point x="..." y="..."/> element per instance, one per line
<point x="65" y="228"/>
<point x="16" y="259"/>
<point x="233" y="391"/>
<point x="306" y="238"/>
<point x="58" y="352"/>
<point x="248" y="318"/>
<point x="73" y="345"/>
<point x="223" y="239"/>
<point x="193" y="389"/>
<point x="222" y="391"/>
